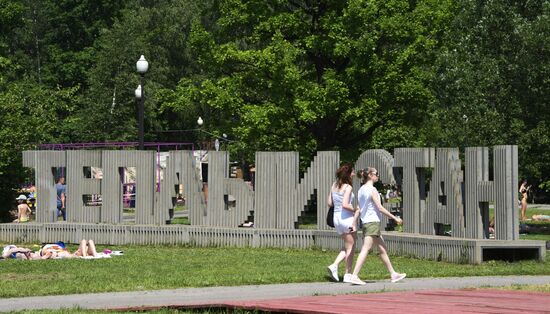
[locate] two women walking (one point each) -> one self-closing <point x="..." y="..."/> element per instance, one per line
<point x="346" y="218"/>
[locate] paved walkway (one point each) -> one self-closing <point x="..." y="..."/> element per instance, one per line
<point x="411" y="302"/>
<point x="191" y="297"/>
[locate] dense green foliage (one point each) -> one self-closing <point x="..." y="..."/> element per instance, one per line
<point x="297" y="75"/>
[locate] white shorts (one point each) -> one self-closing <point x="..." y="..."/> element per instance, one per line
<point x="342" y="222"/>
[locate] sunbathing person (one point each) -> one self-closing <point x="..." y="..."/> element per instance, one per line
<point x="86" y="248"/>
<point x="58" y="250"/>
<point x="14" y="252"/>
<point x="23" y="210"/>
<point x="541" y="217"/>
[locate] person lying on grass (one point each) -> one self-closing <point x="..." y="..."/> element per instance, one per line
<point x="58" y="250"/>
<point x="541" y="217"/>
<point x="14" y="252"/>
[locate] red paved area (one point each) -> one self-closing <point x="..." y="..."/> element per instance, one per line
<point x="410" y="302"/>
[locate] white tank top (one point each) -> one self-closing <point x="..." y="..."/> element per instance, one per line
<point x="338" y="200"/>
<point x="369" y="210"/>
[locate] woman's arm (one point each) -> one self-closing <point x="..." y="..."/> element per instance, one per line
<point x="376" y="199"/>
<point x="345" y="201"/>
<point x="329" y="199"/>
<point x="19" y="210"/>
<point x="355" y="219"/>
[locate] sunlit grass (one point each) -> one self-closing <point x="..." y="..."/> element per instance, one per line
<point x="168" y="267"/>
<point x="542" y="237"/>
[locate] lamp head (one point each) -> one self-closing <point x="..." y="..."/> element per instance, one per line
<point x="138" y="92"/>
<point x="142" y="65"/>
<point x="200" y="121"/>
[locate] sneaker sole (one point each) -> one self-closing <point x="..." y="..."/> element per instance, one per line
<point x="331" y="275"/>
<point x="398" y="279"/>
<point x="356" y="283"/>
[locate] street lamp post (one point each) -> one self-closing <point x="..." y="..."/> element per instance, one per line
<point x="199" y="123"/>
<point x="225" y="139"/>
<point x="142" y="66"/>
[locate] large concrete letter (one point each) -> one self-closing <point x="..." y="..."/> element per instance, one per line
<point x="220" y="187"/>
<point x="325" y="164"/>
<point x="78" y="185"/>
<point x="445" y="206"/>
<point x="43" y="162"/>
<point x="280" y="198"/>
<point x="505" y="158"/>
<point x="192" y="185"/>
<point x="413" y="193"/>
<point x="479" y="192"/>
<point x="111" y="188"/>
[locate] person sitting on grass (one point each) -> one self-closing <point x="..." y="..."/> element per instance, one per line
<point x="23" y="210"/>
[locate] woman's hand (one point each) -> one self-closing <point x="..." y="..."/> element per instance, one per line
<point x="398" y="220"/>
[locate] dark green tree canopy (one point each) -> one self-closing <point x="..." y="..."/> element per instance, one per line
<point x="310" y="76"/>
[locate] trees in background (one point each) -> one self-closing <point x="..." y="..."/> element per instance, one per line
<point x="296" y="75"/>
<point x="491" y="82"/>
<point x="316" y="75"/>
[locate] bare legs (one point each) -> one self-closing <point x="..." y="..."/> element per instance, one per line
<point x="86" y="248"/>
<point x="523" y="208"/>
<point x="368" y="242"/>
<point x="349" y="246"/>
<point x="346" y="253"/>
<point x="367" y="245"/>
<point x="384" y="254"/>
<point x="91" y="248"/>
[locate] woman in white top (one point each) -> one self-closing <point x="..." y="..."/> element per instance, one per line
<point x="370" y="207"/>
<point x="345" y="219"/>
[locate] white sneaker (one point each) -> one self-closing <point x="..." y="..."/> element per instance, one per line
<point x="333" y="272"/>
<point x="397" y="277"/>
<point x="347" y="278"/>
<point x="356" y="281"/>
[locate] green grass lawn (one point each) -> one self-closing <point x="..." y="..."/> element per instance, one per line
<point x="542" y="237"/>
<point x="532" y="209"/>
<point x="180" y="221"/>
<point x="166" y="267"/>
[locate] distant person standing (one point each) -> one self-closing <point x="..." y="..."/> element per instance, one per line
<point x="61" y="196"/>
<point x="371" y="208"/>
<point x="523" y="189"/>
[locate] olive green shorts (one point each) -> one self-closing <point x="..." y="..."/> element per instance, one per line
<point x="371" y="229"/>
